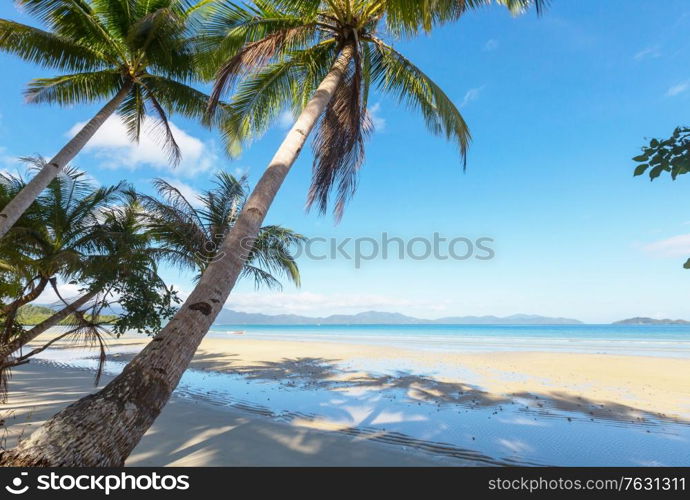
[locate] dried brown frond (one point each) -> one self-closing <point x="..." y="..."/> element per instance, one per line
<point x="339" y="142"/>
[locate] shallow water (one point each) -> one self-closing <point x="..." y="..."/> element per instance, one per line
<point x="661" y="340"/>
<point x="516" y="430"/>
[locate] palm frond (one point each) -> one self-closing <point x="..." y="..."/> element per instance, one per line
<point x="162" y="127"/>
<point x="132" y="112"/>
<point x="409" y="17"/>
<point x="262" y="96"/>
<point x="48" y="49"/>
<point x="395" y="74"/>
<point x="76" y="88"/>
<point x="76" y="20"/>
<point x="339" y="142"/>
<point x="236" y="39"/>
<point x="176" y="97"/>
<point x="273" y="251"/>
<point x="159" y="35"/>
<point x="252" y="57"/>
<point x="260" y="277"/>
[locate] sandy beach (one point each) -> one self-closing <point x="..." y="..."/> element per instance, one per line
<point x="638" y="384"/>
<point x="257" y="402"/>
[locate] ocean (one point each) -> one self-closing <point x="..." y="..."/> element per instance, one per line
<point x="640" y="340"/>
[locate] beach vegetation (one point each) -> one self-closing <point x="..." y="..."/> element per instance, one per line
<point x="666" y="156"/>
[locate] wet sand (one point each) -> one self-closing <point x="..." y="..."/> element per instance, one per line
<point x="195" y="434"/>
<point x="652" y="385"/>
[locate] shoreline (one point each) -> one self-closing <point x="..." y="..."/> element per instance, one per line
<point x="650" y="384"/>
<point x="462" y="409"/>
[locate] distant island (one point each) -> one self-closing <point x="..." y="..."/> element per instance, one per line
<point x="651" y="321"/>
<point x="230" y="317"/>
<point x="30" y="315"/>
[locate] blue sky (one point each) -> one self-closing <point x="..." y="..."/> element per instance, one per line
<point x="557" y="106"/>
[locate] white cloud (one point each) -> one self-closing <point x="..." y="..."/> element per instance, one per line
<point x="376" y="118"/>
<point x="676" y="246"/>
<point x="10" y="164"/>
<point x="649" y="52"/>
<point x="678" y="89"/>
<point x="67" y="291"/>
<point x="315" y="304"/>
<point x="240" y="172"/>
<point x="113" y="147"/>
<point x="191" y="194"/>
<point x="471" y="95"/>
<point x="286" y="119"/>
<point x="491" y="45"/>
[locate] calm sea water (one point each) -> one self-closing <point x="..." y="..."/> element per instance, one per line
<point x="662" y="340"/>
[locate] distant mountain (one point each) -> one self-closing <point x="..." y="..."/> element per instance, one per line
<point x="515" y="319"/>
<point x="651" y="321"/>
<point x="230" y="317"/>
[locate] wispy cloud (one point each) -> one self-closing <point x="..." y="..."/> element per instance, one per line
<point x="240" y="171"/>
<point x="471" y="96"/>
<point x="316" y="304"/>
<point x="676" y="246"/>
<point x="678" y="89"/>
<point x="68" y="292"/>
<point x="10" y="164"/>
<point x="491" y="45"/>
<point x="112" y="146"/>
<point x="376" y="118"/>
<point x="286" y="119"/>
<point x="648" y="53"/>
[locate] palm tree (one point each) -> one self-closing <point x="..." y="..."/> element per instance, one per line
<point x="134" y="54"/>
<point x="78" y="233"/>
<point x="54" y="239"/>
<point x="190" y="235"/>
<point x="331" y="51"/>
<point x="128" y="242"/>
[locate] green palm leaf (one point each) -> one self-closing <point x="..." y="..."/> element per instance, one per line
<point x="395" y="74"/>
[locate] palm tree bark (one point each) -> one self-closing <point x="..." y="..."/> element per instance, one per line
<point x="103" y="428"/>
<point x="7" y="349"/>
<point x="11" y="213"/>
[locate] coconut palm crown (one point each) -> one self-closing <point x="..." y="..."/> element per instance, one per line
<point x="189" y="231"/>
<point x="135" y="55"/>
<point x="274" y="55"/>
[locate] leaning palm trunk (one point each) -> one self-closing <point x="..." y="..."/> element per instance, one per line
<point x="103" y="428"/>
<point x="15" y="208"/>
<point x="7" y="349"/>
<point x="29" y="297"/>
